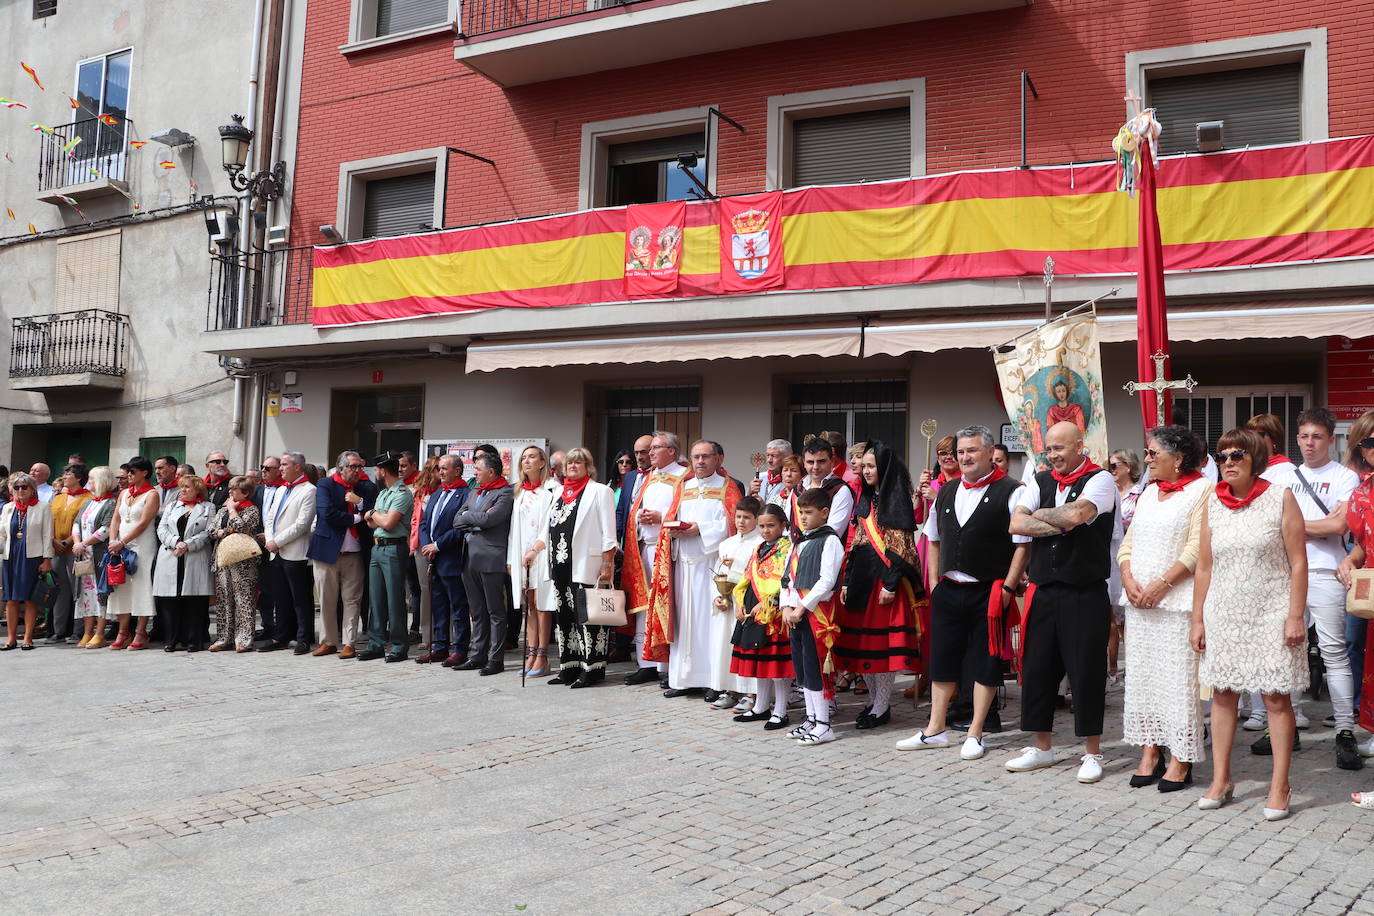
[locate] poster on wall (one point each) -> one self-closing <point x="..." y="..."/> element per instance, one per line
<point x="509" y="449"/>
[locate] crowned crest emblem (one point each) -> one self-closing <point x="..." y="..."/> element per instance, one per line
<point x="749" y="242"/>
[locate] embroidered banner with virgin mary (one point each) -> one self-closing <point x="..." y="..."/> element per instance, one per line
<point x="1051" y="375"/>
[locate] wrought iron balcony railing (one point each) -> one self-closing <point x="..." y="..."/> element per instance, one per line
<point x="102" y="153"/>
<point x="67" y="343"/>
<point x="260" y="289"/>
<point x="479" y="17"/>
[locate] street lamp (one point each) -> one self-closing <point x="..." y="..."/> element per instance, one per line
<point x="235" y="139"/>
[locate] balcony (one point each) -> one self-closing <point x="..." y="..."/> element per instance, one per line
<point x="96" y="167"/>
<point x="274" y="287"/>
<point x="515" y="42"/>
<point x="84" y="349"/>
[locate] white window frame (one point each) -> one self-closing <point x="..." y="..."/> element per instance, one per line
<point x="354" y="176"/>
<point x="362" y="27"/>
<point x="784" y="109"/>
<point x="1307" y="46"/>
<point x="599" y="136"/>
<point x="1229" y="393"/>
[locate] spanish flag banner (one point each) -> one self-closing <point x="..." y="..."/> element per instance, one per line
<point x="1275" y="205"/>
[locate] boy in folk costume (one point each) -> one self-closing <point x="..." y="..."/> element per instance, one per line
<point x="808" y="607"/>
<point x="879" y="634"/>
<point x="762" y="645"/>
<point x="734" y="554"/>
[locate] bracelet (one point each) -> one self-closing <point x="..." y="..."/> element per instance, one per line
<point x="1009" y="590"/>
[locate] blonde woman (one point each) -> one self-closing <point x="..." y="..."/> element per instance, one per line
<point x="90" y="533"/>
<point x="26" y="552"/>
<point x="530" y="583"/>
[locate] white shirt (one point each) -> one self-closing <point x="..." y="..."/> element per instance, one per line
<point x="768" y="490"/>
<point x="966" y="499"/>
<point x="45" y="492"/>
<point x="1100" y="490"/>
<point x="737" y="548"/>
<point x="1275" y="472"/>
<point x="1334" y="483"/>
<point x="658" y="496"/>
<point x="825" y="584"/>
<point x="841" y="504"/>
<point x="1210" y="470"/>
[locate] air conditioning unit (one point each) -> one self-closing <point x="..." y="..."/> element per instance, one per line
<point x="1210" y="136"/>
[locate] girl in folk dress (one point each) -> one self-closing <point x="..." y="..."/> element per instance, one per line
<point x="1249" y="598"/>
<point x="762" y="646"/>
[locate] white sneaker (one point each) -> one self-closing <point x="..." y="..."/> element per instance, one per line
<point x="724" y="701"/>
<point x="1367" y="749"/>
<point x="1031" y="758"/>
<point x="1301" y="720"/>
<point x="746" y="703"/>
<point x="1091" y="769"/>
<point x="972" y="749"/>
<point x="1257" y="722"/>
<point x="820" y="734"/>
<point x="921" y="742"/>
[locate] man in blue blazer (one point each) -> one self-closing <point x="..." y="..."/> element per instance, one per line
<point x="338" y="551"/>
<point x="629" y="487"/>
<point x="442" y="545"/>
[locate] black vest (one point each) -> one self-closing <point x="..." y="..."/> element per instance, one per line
<point x="1078" y="557"/>
<point x="982" y="548"/>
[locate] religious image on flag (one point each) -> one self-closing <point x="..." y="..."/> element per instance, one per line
<point x="1051" y="375"/>
<point x="653" y="247"/>
<point x="751" y="242"/>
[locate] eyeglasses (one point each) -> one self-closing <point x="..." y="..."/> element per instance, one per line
<point x="217" y="461"/>
<point x="355" y="467"/>
<point x="1367" y="443"/>
<point x="1151" y="453"/>
<point x="1233" y="455"/>
<point x="944" y="453"/>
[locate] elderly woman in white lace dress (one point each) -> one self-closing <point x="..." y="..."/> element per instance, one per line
<point x="1157" y="561"/>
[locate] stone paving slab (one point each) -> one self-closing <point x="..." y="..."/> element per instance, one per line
<point x="271" y="783"/>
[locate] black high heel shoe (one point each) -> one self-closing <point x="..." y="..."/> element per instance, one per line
<point x="1140" y="782"/>
<point x="1169" y="785"/>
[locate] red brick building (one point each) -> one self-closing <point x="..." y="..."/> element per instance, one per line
<point x="421" y="114"/>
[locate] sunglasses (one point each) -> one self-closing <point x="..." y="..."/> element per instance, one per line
<point x="217" y="461"/>
<point x="1367" y="443"/>
<point x="269" y="467"/>
<point x="944" y="454"/>
<point x="1112" y="465"/>
<point x="21" y="486"/>
<point x="1233" y="455"/>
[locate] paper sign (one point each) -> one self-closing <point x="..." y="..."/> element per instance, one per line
<point x="291" y="403"/>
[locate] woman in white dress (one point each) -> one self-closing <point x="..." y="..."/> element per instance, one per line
<point x="1249" y="598"/>
<point x="1157" y="560"/>
<point x="133" y="527"/>
<point x="530" y="583"/>
<point x="90" y="531"/>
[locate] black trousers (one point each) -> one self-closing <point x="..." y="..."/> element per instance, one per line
<point x="959" y="633"/>
<point x="1066" y="634"/>
<point x="806" y="662"/>
<point x="486" y="594"/>
<point x="188" y="616"/>
<point x="292" y="584"/>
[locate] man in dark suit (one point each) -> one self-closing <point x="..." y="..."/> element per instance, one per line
<point x="630" y="486"/>
<point x="485" y="524"/>
<point x="442" y="545"/>
<point x="338" y="551"/>
<point x="267" y="610"/>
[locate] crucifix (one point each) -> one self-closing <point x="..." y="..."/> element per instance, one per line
<point x="1049" y="286"/>
<point x="1160" y="385"/>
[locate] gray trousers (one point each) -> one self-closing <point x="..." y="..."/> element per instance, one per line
<point x="66" y="595"/>
<point x="486" y="593"/>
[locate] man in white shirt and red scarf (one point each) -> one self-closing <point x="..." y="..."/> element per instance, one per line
<point x="647" y="575"/>
<point x="705" y="517"/>
<point x="768" y="483"/>
<point x="820" y="462"/>
<point x="1070" y="511"/>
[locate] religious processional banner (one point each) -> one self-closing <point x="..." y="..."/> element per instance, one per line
<point x="1051" y="375"/>
<point x="1306" y="202"/>
<point x="653" y="248"/>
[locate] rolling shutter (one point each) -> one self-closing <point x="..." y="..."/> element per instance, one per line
<point x="658" y="149"/>
<point x="398" y="206"/>
<point x="1260" y="105"/>
<point x="395" y="16"/>
<point x="846" y="148"/>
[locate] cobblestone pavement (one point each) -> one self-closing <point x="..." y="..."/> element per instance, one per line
<point x="275" y="783"/>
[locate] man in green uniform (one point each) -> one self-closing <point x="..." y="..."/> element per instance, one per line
<point x="389" y="520"/>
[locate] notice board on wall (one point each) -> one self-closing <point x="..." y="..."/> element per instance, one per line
<point x="509" y="450"/>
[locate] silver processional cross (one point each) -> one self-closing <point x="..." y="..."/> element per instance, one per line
<point x="1160" y="385"/>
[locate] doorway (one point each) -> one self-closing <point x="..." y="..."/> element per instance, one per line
<point x="375" y="420"/>
<point x="53" y="443"/>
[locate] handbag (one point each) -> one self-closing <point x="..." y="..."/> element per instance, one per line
<point x="1359" y="600"/>
<point x="235" y="548"/>
<point x="114" y="570"/>
<point x="44" y="593"/>
<point x="84" y="566"/>
<point x="599" y="607"/>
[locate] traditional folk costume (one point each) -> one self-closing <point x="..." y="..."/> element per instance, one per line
<point x="810" y="581"/>
<point x="786" y="500"/>
<point x="647" y="575"/>
<point x="878" y="640"/>
<point x="735" y="553"/>
<point x="1067" y="614"/>
<point x="762" y="646"/>
<point x="841" y="503"/>
<point x="700" y="656"/>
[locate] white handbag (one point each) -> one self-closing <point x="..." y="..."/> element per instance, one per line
<point x="601" y="607"/>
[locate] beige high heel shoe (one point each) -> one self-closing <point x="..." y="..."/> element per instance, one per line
<point x="1211" y="804"/>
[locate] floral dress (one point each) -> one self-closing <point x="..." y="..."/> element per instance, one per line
<point x="581" y="648"/>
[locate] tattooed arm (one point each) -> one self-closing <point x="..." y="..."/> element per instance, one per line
<point x="1025" y="523"/>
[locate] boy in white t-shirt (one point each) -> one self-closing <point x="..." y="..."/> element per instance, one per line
<point x="1322" y="488"/>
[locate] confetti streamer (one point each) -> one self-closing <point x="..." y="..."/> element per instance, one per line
<point x="33" y="76"/>
<point x="108" y="119"/>
<point x="92" y="170"/>
<point x="71" y="202"/>
<point x="138" y="144"/>
<point x="9" y="213"/>
<point x="168" y="164"/>
<point x="32" y="230"/>
<point x="71" y="145"/>
<point x="8" y="159"/>
<point x="75" y="103"/>
<point x="11" y="103"/>
<point x="43" y="128"/>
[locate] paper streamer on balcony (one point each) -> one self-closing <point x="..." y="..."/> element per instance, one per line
<point x="1275" y="205"/>
<point x="11" y="103"/>
<point x="33" y="76"/>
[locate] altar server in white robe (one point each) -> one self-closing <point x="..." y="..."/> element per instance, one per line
<point x="735" y="552"/>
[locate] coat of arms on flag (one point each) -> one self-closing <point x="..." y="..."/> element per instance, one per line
<point x="751" y="242"/>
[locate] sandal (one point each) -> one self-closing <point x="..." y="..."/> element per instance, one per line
<point x="541" y="657"/>
<point x="845" y="682"/>
<point x="860" y="688"/>
<point x="140" y="641"/>
<point x="121" y="641"/>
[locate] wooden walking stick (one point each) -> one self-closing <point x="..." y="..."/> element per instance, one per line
<point x="928" y="429"/>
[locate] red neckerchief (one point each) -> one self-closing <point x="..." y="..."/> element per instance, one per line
<point x="243" y="505"/>
<point x="410" y="481"/>
<point x="1068" y="480"/>
<point x="78" y="492"/>
<point x="168" y="487"/>
<point x="101" y="499"/>
<point x="276" y="483"/>
<point x="136" y="492"/>
<point x="295" y="483"/>
<point x="526" y="485"/>
<point x="1231" y="501"/>
<point x="949" y="478"/>
<point x="212" y="481"/>
<point x="190" y="502"/>
<point x="839" y="468"/>
<point x="996" y="475"/>
<point x="1175" y="486"/>
<point x="340" y="481"/>
<point x="24" y="507"/>
<point x="1277" y="459"/>
<point x="459" y="484"/>
<point x="574" y="489"/>
<point x="490" y="485"/>
<point x="774" y="477"/>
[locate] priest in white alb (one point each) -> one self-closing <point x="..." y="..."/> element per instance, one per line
<point x="705" y="518"/>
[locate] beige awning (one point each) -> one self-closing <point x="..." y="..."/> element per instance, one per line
<point x="666" y="347"/>
<point x="1254" y="320"/>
